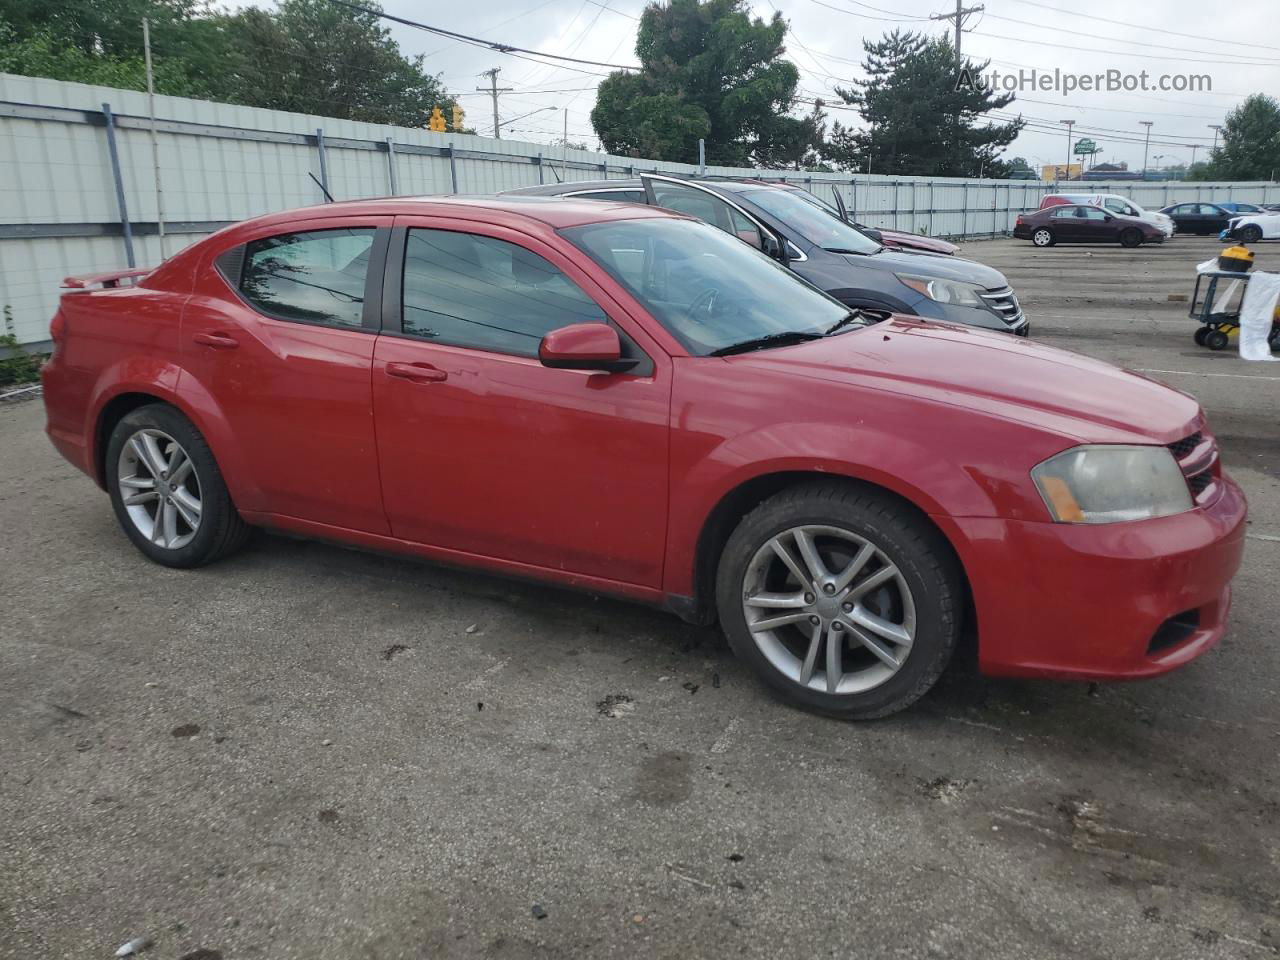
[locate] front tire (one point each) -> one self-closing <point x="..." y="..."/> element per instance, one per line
<point x="843" y="600"/>
<point x="167" y="491"/>
<point x="1043" y="237"/>
<point x="1131" y="238"/>
<point x="1216" y="340"/>
<point x="1251" y="233"/>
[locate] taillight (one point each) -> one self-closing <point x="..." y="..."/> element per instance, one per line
<point x="1019" y="221"/>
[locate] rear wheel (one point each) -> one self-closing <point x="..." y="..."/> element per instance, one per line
<point x="1043" y="237"/>
<point x="1216" y="340"/>
<point x="167" y="491"/>
<point x="1200" y="335"/>
<point x="1131" y="238"/>
<point x="843" y="600"/>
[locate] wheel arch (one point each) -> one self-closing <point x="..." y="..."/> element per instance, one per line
<point x="737" y="502"/>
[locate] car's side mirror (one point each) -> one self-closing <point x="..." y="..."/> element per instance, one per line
<point x="1108" y="217"/>
<point x="771" y="247"/>
<point x="584" y="346"/>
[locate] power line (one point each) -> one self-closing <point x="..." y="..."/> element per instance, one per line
<point x="867" y="16"/>
<point x="1110" y="53"/>
<point x="476" y="41"/>
<point x="1093" y="36"/>
<point x="1147" y="28"/>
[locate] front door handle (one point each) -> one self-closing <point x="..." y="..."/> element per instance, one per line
<point x="416" y="372"/>
<point x="219" y="341"/>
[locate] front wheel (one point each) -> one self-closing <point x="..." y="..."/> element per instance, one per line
<point x="1216" y="340"/>
<point x="167" y="491"/>
<point x="1251" y="233"/>
<point x="1042" y="237"/>
<point x="1131" y="238"/>
<point x="1200" y="334"/>
<point x="842" y="599"/>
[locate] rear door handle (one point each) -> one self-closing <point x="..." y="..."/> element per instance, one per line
<point x="416" y="372"/>
<point x="219" y="341"/>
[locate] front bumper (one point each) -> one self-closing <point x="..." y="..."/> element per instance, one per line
<point x="1113" y="601"/>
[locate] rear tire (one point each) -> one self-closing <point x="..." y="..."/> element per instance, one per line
<point x="167" y="491"/>
<point x="1131" y="238"/>
<point x="1200" y="335"/>
<point x="894" y="620"/>
<point x="1216" y="340"/>
<point x="1043" y="237"/>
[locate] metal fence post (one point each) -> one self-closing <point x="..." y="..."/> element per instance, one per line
<point x="391" y="168"/>
<point x="125" y="227"/>
<point x="853" y="210"/>
<point x="539" y="167"/>
<point x="964" y="209"/>
<point x="453" y="168"/>
<point x="324" y="166"/>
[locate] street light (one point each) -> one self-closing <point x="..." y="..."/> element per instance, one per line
<point x="1070" y="124"/>
<point x="1146" y="147"/>
<point x="1215" y="127"/>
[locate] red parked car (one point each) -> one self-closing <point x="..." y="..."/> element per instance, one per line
<point x="626" y="400"/>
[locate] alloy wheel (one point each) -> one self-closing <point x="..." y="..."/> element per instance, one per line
<point x="1042" y="238"/>
<point x="829" y="609"/>
<point x="159" y="488"/>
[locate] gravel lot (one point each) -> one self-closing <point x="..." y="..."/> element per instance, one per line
<point x="316" y="753"/>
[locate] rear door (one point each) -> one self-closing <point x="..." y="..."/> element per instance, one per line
<point x="280" y="335"/>
<point x="487" y="453"/>
<point x="1066" y="224"/>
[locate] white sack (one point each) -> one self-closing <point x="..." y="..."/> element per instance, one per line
<point x="1256" y="314"/>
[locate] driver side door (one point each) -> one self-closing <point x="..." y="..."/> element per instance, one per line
<point x="706" y="206"/>
<point x="486" y="453"/>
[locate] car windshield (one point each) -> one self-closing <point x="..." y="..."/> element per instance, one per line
<point x="814" y="222"/>
<point x="711" y="290"/>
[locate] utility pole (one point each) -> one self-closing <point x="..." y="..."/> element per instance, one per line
<point x="1215" y="127"/>
<point x="493" y="90"/>
<point x="1070" y="124"/>
<point x="155" y="146"/>
<point x="958" y="18"/>
<point x="1146" y="146"/>
<point x="1194" y="148"/>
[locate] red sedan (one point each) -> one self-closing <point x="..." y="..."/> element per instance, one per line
<point x="629" y="401"/>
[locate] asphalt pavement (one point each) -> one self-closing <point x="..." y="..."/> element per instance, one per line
<point x="311" y="752"/>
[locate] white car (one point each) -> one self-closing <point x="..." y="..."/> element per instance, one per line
<point x="1253" y="227"/>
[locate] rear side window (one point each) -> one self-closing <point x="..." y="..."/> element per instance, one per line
<point x="312" y="277"/>
<point x="487" y="294"/>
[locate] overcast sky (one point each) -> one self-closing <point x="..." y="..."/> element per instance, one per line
<point x="1235" y="43"/>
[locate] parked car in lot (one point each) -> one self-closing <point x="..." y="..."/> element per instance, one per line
<point x="1113" y="203"/>
<point x="893" y="239"/>
<point x="811" y="238"/>
<point x="1199" y="218"/>
<point x="629" y="401"/>
<point x="1084" y="223"/>
<point x="1252" y="227"/>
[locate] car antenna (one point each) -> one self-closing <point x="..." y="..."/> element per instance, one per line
<point x="327" y="195"/>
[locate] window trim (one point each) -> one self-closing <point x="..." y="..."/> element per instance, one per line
<point x="793" y="252"/>
<point x="391" y="307"/>
<point x="371" y="308"/>
<point x="597" y="191"/>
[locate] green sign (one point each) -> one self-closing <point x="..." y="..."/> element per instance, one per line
<point x="1085" y="147"/>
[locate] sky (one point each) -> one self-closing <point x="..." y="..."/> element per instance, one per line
<point x="1240" y="54"/>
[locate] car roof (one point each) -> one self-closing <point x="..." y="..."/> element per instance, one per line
<point x="553" y="211"/>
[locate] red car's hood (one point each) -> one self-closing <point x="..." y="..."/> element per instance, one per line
<point x="1002" y="375"/>
<point x="914" y="241"/>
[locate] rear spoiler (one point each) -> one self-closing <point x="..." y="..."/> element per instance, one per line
<point x="105" y="281"/>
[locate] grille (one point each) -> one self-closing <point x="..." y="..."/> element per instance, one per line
<point x="1184" y="446"/>
<point x="1004" y="304"/>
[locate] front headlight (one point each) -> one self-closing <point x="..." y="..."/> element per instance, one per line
<point x="944" y="291"/>
<point x="1107" y="484"/>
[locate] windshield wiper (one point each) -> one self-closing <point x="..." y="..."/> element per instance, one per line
<point x="770" y="340"/>
<point x="853" y="316"/>
<point x="860" y="253"/>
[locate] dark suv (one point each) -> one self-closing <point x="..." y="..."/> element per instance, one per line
<point x="824" y="249"/>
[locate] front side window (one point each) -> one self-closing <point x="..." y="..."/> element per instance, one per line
<point x="814" y="222"/>
<point x="480" y="292"/>
<point x="312" y="277"/>
<point x="708" y="289"/>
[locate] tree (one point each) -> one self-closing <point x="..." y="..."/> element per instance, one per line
<point x="1250" y="148"/>
<point x="921" y="113"/>
<point x="711" y="71"/>
<point x="309" y="56"/>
